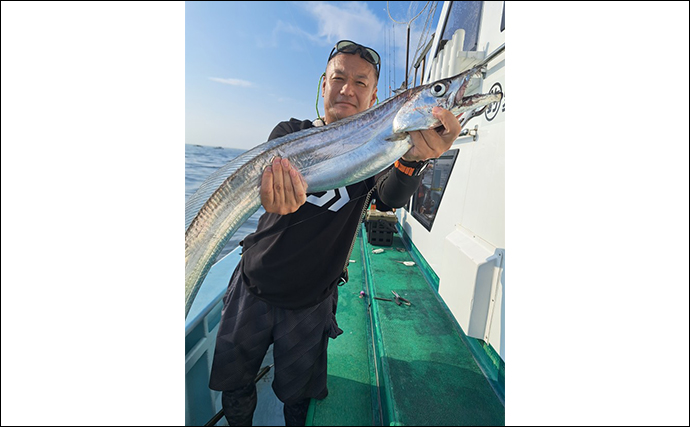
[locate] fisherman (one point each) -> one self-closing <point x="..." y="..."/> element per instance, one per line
<point x="284" y="291"/>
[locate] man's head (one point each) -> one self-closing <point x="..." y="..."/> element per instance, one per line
<point x="350" y="85"/>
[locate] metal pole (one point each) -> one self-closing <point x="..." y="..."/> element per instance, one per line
<point x="407" y="54"/>
<point x="493" y="54"/>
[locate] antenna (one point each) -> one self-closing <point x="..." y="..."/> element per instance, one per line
<point x="423" y="42"/>
<point x="393" y="29"/>
<point x="386" y="76"/>
<point x="407" y="50"/>
<point x="390" y="82"/>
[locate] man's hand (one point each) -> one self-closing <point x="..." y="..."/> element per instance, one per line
<point x="431" y="143"/>
<point x="283" y="189"/>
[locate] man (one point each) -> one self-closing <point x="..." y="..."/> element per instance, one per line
<point x="284" y="290"/>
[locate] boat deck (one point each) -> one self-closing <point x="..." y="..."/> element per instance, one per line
<point x="403" y="365"/>
<point x="393" y="365"/>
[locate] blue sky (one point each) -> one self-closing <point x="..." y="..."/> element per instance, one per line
<point x="250" y="65"/>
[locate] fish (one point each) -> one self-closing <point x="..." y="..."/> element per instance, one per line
<point x="328" y="157"/>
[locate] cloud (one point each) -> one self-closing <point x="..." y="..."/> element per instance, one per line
<point x="356" y="21"/>
<point x="232" y="82"/>
<point x="284" y="27"/>
<point x="352" y="21"/>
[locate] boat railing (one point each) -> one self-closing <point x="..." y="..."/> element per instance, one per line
<point x="452" y="59"/>
<point x="201" y="328"/>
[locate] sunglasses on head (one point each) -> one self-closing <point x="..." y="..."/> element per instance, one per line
<point x="367" y="53"/>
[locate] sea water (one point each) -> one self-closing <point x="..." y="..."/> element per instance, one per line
<point x="200" y="162"/>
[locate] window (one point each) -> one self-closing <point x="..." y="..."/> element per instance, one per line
<point x="465" y="15"/>
<point x="427" y="198"/>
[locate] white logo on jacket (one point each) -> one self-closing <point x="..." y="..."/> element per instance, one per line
<point x="340" y="195"/>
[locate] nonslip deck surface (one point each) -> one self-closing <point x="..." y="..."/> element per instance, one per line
<point x="400" y="365"/>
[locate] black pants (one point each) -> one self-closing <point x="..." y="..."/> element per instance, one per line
<point x="239" y="406"/>
<point x="248" y="326"/>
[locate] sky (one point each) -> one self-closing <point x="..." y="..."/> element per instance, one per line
<point x="251" y="65"/>
<point x="94" y="108"/>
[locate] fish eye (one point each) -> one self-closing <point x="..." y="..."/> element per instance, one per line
<point x="438" y="89"/>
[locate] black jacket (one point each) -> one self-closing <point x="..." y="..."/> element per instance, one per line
<point x="294" y="261"/>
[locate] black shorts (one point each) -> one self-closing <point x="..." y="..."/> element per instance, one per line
<point x="249" y="325"/>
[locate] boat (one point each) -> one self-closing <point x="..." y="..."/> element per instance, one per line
<point x="424" y="309"/>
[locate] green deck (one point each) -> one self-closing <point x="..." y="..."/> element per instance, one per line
<point x="426" y="373"/>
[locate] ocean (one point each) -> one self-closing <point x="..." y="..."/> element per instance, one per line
<point x="200" y="162"/>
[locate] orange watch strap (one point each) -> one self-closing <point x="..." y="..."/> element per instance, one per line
<point x="404" y="169"/>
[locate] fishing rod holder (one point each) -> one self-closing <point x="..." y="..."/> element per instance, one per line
<point x="470" y="132"/>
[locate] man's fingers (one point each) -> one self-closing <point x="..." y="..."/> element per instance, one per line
<point x="278" y="184"/>
<point x="426" y="136"/>
<point x="283" y="189"/>
<point x="449" y="122"/>
<point x="267" y="198"/>
<point x="288" y="190"/>
<point x="421" y="149"/>
<point x="299" y="185"/>
<point x="431" y="143"/>
<point x="437" y="144"/>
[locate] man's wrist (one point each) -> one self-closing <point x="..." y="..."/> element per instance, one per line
<point x="412" y="163"/>
<point x="408" y="160"/>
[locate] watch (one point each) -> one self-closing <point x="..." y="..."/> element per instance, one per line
<point x="411" y="168"/>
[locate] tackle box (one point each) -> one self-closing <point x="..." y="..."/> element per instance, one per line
<point x="380" y="227"/>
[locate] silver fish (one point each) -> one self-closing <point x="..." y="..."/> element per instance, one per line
<point x="328" y="157"/>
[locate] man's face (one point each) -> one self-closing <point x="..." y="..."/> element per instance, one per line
<point x="349" y="86"/>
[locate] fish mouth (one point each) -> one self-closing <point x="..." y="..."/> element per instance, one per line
<point x="457" y="99"/>
<point x="460" y="94"/>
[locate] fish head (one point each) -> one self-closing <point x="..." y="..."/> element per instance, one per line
<point x="448" y="93"/>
